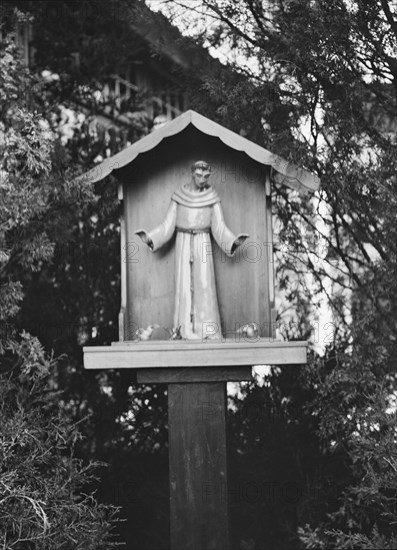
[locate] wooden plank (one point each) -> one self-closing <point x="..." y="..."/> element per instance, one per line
<point x="123" y="275"/>
<point x="269" y="234"/>
<point x="198" y="475"/>
<point x="197" y="374"/>
<point x="191" y="354"/>
<point x="224" y="343"/>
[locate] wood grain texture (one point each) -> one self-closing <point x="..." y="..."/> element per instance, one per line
<point x="198" y="476"/>
<point x="123" y="280"/>
<point x="242" y="281"/>
<point x="197" y="374"/>
<point x="269" y="233"/>
<point x="191" y="354"/>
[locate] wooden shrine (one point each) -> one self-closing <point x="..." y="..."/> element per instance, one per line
<point x="151" y="172"/>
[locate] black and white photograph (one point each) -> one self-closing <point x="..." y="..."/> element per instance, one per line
<point x="198" y="274"/>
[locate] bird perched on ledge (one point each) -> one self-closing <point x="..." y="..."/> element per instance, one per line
<point x="143" y="334"/>
<point x="156" y="332"/>
<point x="250" y="330"/>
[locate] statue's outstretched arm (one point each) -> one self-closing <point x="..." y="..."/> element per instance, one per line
<point x="225" y="238"/>
<point x="161" y="234"/>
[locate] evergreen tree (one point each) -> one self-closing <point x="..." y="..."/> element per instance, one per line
<point x="45" y="491"/>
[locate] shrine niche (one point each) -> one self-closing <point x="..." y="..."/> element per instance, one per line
<point x="150" y="172"/>
<point x="148" y="185"/>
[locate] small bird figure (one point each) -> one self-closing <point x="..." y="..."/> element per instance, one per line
<point x="176" y="333"/>
<point x="143" y="334"/>
<point x="250" y="330"/>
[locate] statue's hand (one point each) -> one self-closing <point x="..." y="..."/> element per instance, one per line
<point x="144" y="237"/>
<point x="240" y="239"/>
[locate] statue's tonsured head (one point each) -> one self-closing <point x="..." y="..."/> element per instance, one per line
<point x="201" y="165"/>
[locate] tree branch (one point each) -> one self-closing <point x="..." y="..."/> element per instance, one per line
<point x="389" y="16"/>
<point x="231" y="25"/>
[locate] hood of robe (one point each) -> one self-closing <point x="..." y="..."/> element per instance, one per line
<point x="195" y="199"/>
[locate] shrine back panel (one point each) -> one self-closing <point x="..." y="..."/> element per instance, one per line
<point x="242" y="281"/>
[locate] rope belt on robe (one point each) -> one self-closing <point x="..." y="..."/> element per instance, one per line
<point x="193" y="231"/>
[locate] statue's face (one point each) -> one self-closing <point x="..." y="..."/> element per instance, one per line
<point x="200" y="178"/>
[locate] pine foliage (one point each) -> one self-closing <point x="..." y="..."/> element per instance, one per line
<point x="46" y="493"/>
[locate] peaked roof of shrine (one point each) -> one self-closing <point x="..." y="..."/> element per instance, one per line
<point x="285" y="172"/>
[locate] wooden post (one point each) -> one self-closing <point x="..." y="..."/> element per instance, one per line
<point x="197" y="442"/>
<point x="197" y="454"/>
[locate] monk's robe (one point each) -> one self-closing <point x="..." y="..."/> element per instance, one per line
<point x="195" y="215"/>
